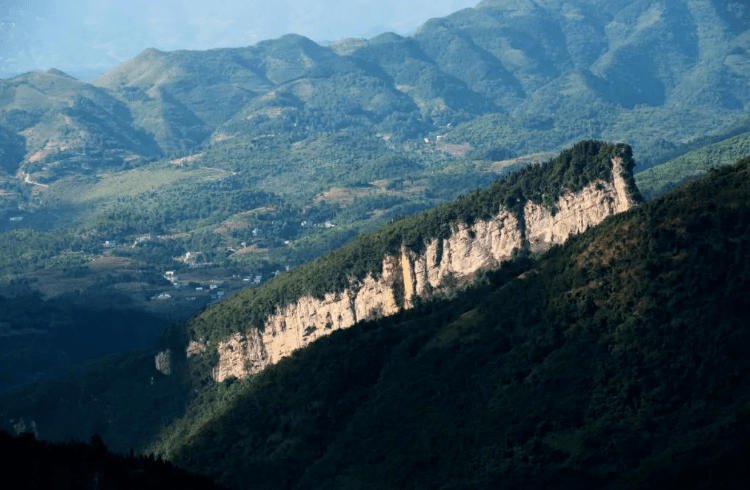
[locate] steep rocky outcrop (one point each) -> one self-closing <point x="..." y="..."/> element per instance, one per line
<point x="408" y="275"/>
<point x="576" y="212"/>
<point x="163" y="362"/>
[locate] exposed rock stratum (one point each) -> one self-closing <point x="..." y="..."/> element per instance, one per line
<point x="408" y="275"/>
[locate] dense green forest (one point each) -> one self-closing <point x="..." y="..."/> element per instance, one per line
<point x="613" y="361"/>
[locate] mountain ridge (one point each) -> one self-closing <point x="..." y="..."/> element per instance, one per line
<point x="415" y="263"/>
<point x="613" y="361"/>
<point x="634" y="60"/>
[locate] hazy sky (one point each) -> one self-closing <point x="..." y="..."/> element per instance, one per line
<point x="86" y="37"/>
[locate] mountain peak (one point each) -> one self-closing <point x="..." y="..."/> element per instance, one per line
<point x="55" y="71"/>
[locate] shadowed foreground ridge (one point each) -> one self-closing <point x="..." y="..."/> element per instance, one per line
<point x="617" y="360"/>
<point x="32" y="464"/>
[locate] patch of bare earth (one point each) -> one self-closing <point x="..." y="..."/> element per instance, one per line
<point x="262" y="209"/>
<point x="377" y="214"/>
<point x="406" y="191"/>
<point x="220" y="137"/>
<point x="228" y="227"/>
<point x="413" y="190"/>
<point x="132" y="287"/>
<point x="534" y="158"/>
<point x="187" y="159"/>
<point x="52" y="283"/>
<point x="456" y="150"/>
<point x="110" y="262"/>
<point x="252" y="249"/>
<point x="344" y="196"/>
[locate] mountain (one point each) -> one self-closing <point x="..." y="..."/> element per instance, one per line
<point x="404" y="262"/>
<point x="65" y="126"/>
<point x="183" y="96"/>
<point x="378" y="274"/>
<point x="224" y="154"/>
<point x="554" y="72"/>
<point x="693" y="164"/>
<point x="615" y="360"/>
<point x="220" y="169"/>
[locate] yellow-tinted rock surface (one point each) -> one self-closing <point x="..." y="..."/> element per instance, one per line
<point x="484" y="245"/>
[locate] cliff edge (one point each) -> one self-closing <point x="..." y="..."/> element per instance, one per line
<point x="526" y="219"/>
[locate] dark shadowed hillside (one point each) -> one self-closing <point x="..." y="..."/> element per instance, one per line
<point x="613" y="361"/>
<point x="32" y="464"/>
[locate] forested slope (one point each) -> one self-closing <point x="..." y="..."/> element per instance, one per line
<point x="261" y="158"/>
<point x="613" y="361"/>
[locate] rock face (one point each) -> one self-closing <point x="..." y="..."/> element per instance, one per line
<point x="576" y="212"/>
<point x="406" y="276"/>
<point x="163" y="362"/>
<point x="481" y="246"/>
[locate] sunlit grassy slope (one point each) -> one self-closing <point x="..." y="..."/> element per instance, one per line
<point x="657" y="180"/>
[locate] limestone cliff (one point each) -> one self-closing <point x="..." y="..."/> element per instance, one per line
<point x="575" y="212"/>
<point x="408" y="275"/>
